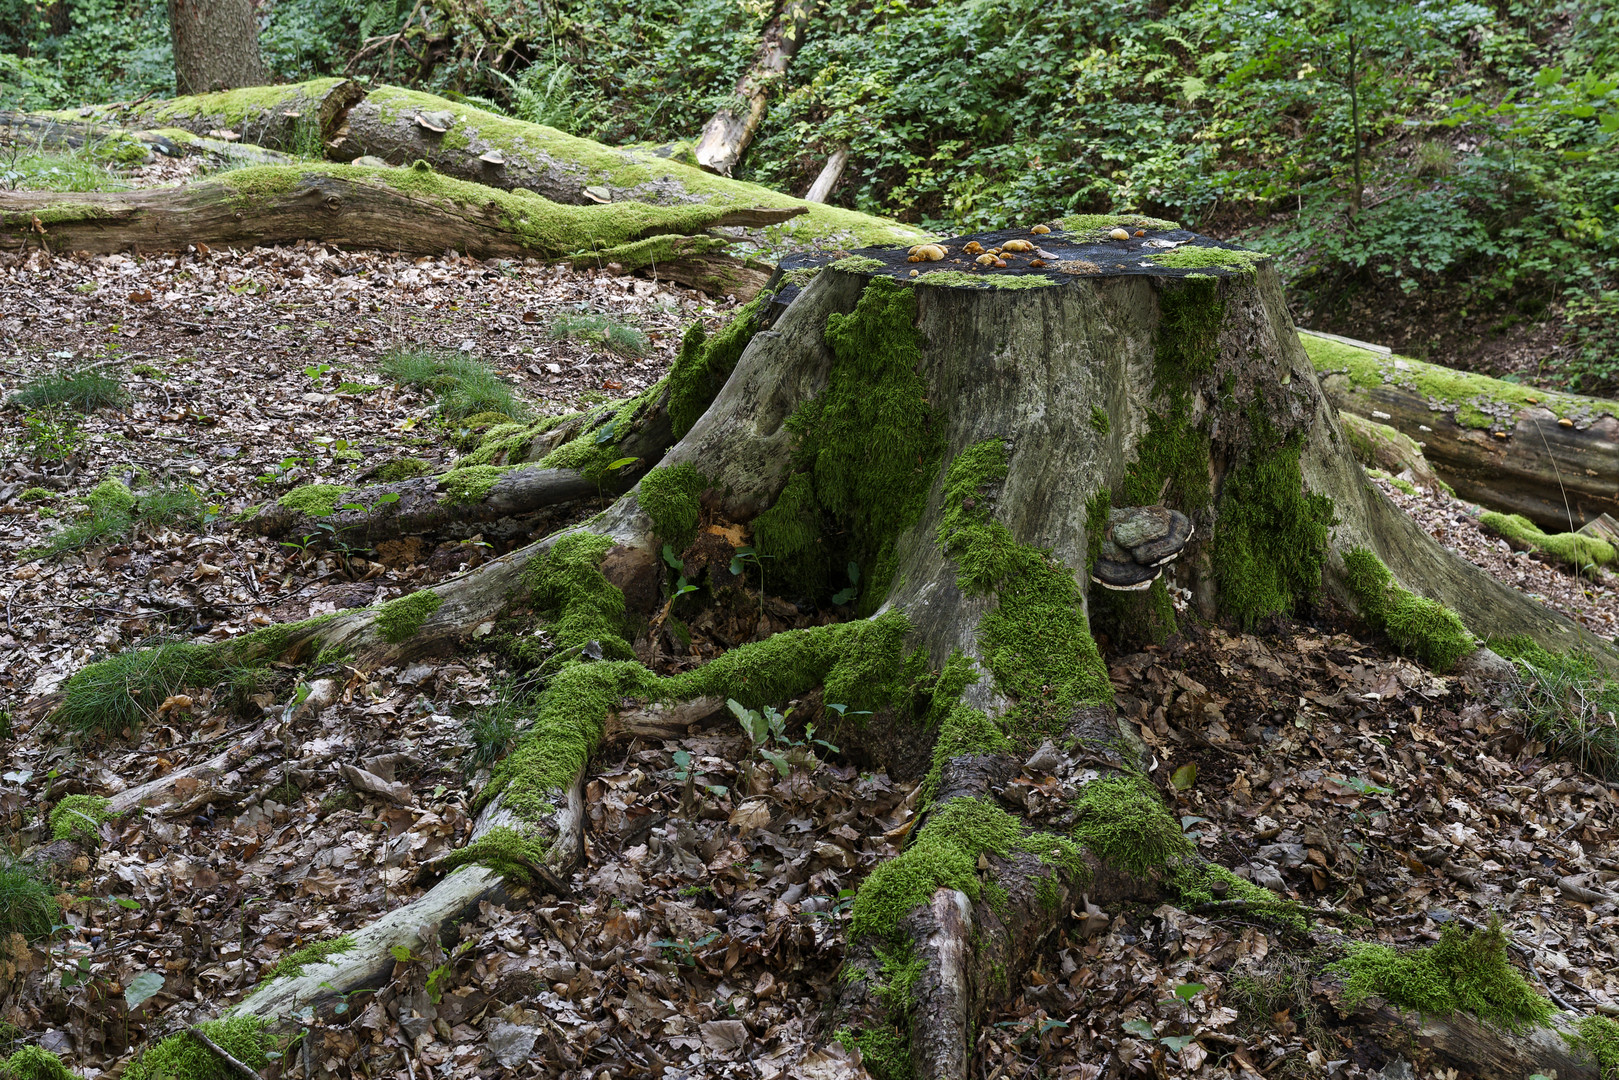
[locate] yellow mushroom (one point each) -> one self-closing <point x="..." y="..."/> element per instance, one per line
<point x="1119" y="234"/>
<point x="1039" y="230"/>
<point x="1017" y="245"/>
<point x="987" y="259"/>
<point x="973" y="248"/>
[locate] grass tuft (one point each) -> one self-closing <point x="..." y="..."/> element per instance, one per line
<point x="112" y="512"/>
<point x="1568" y="703"/>
<point x="27" y="901"/>
<point x="85" y="391"/>
<point x="611" y="334"/>
<point x="121" y="691"/>
<point x="464" y="386"/>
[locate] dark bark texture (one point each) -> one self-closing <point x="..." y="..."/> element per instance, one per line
<point x="216" y="45"/>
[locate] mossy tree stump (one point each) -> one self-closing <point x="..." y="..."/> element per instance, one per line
<point x="945" y="452"/>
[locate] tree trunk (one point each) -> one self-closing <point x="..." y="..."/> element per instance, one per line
<point x="216" y="45"/>
<point x="980" y="446"/>
<point x="1552" y="457"/>
<point x="357" y="207"/>
<point x="828" y="177"/>
<point x="735" y="123"/>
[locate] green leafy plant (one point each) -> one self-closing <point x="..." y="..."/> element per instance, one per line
<point x="766" y="729"/>
<point x="50" y="434"/>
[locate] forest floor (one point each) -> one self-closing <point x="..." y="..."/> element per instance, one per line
<point x="691" y="944"/>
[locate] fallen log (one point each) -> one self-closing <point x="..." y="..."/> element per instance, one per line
<point x="1550" y="456"/>
<point x="734" y="123"/>
<point x="411" y="210"/>
<point x="298" y="117"/>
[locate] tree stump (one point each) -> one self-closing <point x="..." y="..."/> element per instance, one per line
<point x="1115" y="416"/>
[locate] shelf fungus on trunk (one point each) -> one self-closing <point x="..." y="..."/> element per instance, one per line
<point x="1140" y="541"/>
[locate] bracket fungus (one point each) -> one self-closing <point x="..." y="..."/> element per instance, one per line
<point x="1140" y="541"/>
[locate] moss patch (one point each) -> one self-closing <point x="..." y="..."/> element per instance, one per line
<point x="292" y="964"/>
<point x="182" y="1057"/>
<point x="858" y="264"/>
<point x="962" y="279"/>
<point x="1599" y="1037"/>
<point x="1580" y="552"/>
<point x="1172" y="461"/>
<point x="944" y="854"/>
<point x="79" y="817"/>
<point x="314" y="500"/>
<point x="471" y="484"/>
<point x="1458" y="973"/>
<point x="399" y="620"/>
<point x="1123" y="821"/>
<point x="1270" y="540"/>
<point x="1475" y="401"/>
<point x="669" y="496"/>
<point x="1093" y="227"/>
<point x="1190" y="257"/>
<point x="35" y="1063"/>
<point x="508" y="852"/>
<point x="1036" y="642"/>
<point x="704" y="363"/>
<point x="1416" y="625"/>
<point x="870" y="446"/>
<point x="110" y="497"/>
<point x="406" y="468"/>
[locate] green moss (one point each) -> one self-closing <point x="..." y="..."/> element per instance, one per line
<point x="858" y="264"/>
<point x="508" y="443"/>
<point x="1194" y="880"/>
<point x="669" y="496"/>
<point x="1378" y="474"/>
<point x="35" y="1063"/>
<point x="182" y="1057"/>
<point x="944" y="854"/>
<point x="406" y="468"/>
<point x="110" y="497"/>
<point x="596" y="448"/>
<point x="39" y="494"/>
<point x="884" y="1051"/>
<point x="1459" y="393"/>
<point x="508" y="852"/>
<point x="1189" y="257"/>
<point x="1036" y="641"/>
<point x="1574" y="549"/>
<point x="962" y="279"/>
<point x="79" y="817"/>
<point x="704" y="363"/>
<point x="1093" y="227"/>
<point x="901" y="968"/>
<point x="472" y="483"/>
<point x="1172" y="461"/>
<point x="233" y="107"/>
<point x="870" y="445"/>
<point x="1099" y="420"/>
<point x="1270" y="540"/>
<point x="119" y="692"/>
<point x="1458" y="973"/>
<point x="292" y="965"/>
<point x="1599" y="1036"/>
<point x="965" y="730"/>
<point x="1122" y="820"/>
<point x="1415" y="625"/>
<point x="314" y="500"/>
<point x="399" y="620"/>
<point x="651" y="251"/>
<point x="822" y="226"/>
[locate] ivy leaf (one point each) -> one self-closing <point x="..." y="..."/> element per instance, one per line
<point x="1184" y="777"/>
<point x="141" y="989"/>
<point x="670" y="557"/>
<point x="605" y="435"/>
<point x="1177" y="1043"/>
<point x="621" y="462"/>
<point x="1143" y="1028"/>
<point x="1188" y="991"/>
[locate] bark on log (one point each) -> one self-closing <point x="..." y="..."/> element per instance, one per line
<point x="733" y="125"/>
<point x="41" y="130"/>
<point x="298" y="116"/>
<point x="216" y="44"/>
<point x="351" y="206"/>
<point x="1040" y="399"/>
<point x="1509" y="447"/>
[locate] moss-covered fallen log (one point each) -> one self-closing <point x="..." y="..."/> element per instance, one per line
<point x="1548" y="456"/>
<point x="296" y="118"/>
<point x="413" y="210"/>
